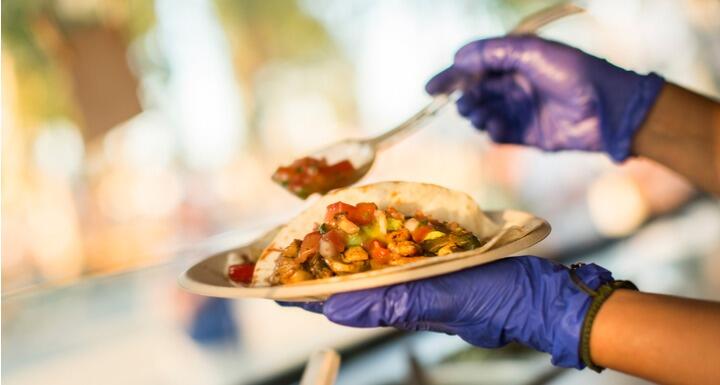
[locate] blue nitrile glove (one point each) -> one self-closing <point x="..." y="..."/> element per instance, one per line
<point x="528" y="299"/>
<point x="526" y="90"/>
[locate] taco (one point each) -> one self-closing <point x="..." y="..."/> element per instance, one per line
<point x="373" y="227"/>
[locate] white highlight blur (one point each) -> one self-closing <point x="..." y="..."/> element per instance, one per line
<point x="616" y="205"/>
<point x="58" y="149"/>
<point x="208" y="106"/>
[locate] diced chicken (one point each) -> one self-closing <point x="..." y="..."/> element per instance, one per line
<point x="355" y="253"/>
<point x="340" y="267"/>
<point x="404" y="260"/>
<point x="292" y="250"/>
<point x="392" y="213"/>
<point x="346" y="225"/>
<point x="398" y="235"/>
<point x="288" y="270"/>
<point x="318" y="268"/>
<point x="404" y="248"/>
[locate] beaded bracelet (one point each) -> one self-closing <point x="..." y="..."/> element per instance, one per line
<point x="599" y="296"/>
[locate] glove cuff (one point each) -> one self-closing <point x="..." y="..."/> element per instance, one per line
<point x="568" y="328"/>
<point x="634" y="115"/>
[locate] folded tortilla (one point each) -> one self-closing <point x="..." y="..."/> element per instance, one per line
<point x="407" y="197"/>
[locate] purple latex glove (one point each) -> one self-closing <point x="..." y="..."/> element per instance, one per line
<point x="528" y="299"/>
<point x="526" y="90"/>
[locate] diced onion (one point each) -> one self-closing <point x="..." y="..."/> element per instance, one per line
<point x="327" y="249"/>
<point x="412" y="224"/>
<point x="381" y="221"/>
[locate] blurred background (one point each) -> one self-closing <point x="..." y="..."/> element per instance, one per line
<point x="139" y="137"/>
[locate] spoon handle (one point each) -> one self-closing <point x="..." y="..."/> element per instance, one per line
<point x="529" y="24"/>
<point x="393" y="135"/>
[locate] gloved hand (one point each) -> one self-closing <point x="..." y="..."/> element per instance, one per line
<point x="528" y="299"/>
<point x="526" y="90"/>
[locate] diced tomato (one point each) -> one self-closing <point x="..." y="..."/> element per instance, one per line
<point x="309" y="247"/>
<point x="337" y="208"/>
<point x="337" y="238"/>
<point x="379" y="253"/>
<point x="363" y="213"/>
<point x="419" y="234"/>
<point x="343" y="167"/>
<point x="241" y="273"/>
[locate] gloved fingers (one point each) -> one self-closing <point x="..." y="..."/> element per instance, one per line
<point x="362" y="309"/>
<point x="398" y="305"/>
<point x="497" y="129"/>
<point x="479" y="117"/>
<point x="493" y="54"/>
<point x="315" y="307"/>
<point x="466" y="104"/>
<point x="446" y="81"/>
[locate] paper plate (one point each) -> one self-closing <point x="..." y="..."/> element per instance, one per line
<point x="520" y="230"/>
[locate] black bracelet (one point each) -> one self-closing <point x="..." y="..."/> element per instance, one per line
<point x="599" y="297"/>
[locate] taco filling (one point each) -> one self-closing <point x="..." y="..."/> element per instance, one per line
<point x="361" y="237"/>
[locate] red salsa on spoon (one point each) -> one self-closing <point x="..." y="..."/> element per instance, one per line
<point x="309" y="175"/>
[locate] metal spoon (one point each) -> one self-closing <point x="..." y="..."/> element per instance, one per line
<point x="361" y="152"/>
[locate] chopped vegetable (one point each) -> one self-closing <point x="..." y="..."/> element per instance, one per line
<point x="355" y="240"/>
<point x="309" y="247"/>
<point x="433" y="234"/>
<point x="338" y="208"/>
<point x="381" y="221"/>
<point x="372" y="232"/>
<point x="394" y="224"/>
<point x="363" y="214"/>
<point x="241" y="272"/>
<point x="337" y="237"/>
<point x="412" y="224"/>
<point x="420" y="232"/>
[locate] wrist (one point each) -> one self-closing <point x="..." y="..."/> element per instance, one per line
<point x="599" y="297"/>
<point x="577" y="284"/>
<point x="559" y="307"/>
<point x="635" y="112"/>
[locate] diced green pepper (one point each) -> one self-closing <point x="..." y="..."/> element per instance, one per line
<point x="371" y="231"/>
<point x="433" y="234"/>
<point x="354" y="240"/>
<point x="394" y="224"/>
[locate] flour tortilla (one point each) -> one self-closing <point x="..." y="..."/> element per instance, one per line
<point x="407" y="197"/>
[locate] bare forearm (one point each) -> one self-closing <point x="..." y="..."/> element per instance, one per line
<point x="682" y="132"/>
<point x="664" y="339"/>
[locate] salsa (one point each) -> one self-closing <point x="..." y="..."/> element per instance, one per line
<point x="356" y="238"/>
<point x="241" y="272"/>
<point x="309" y="175"/>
